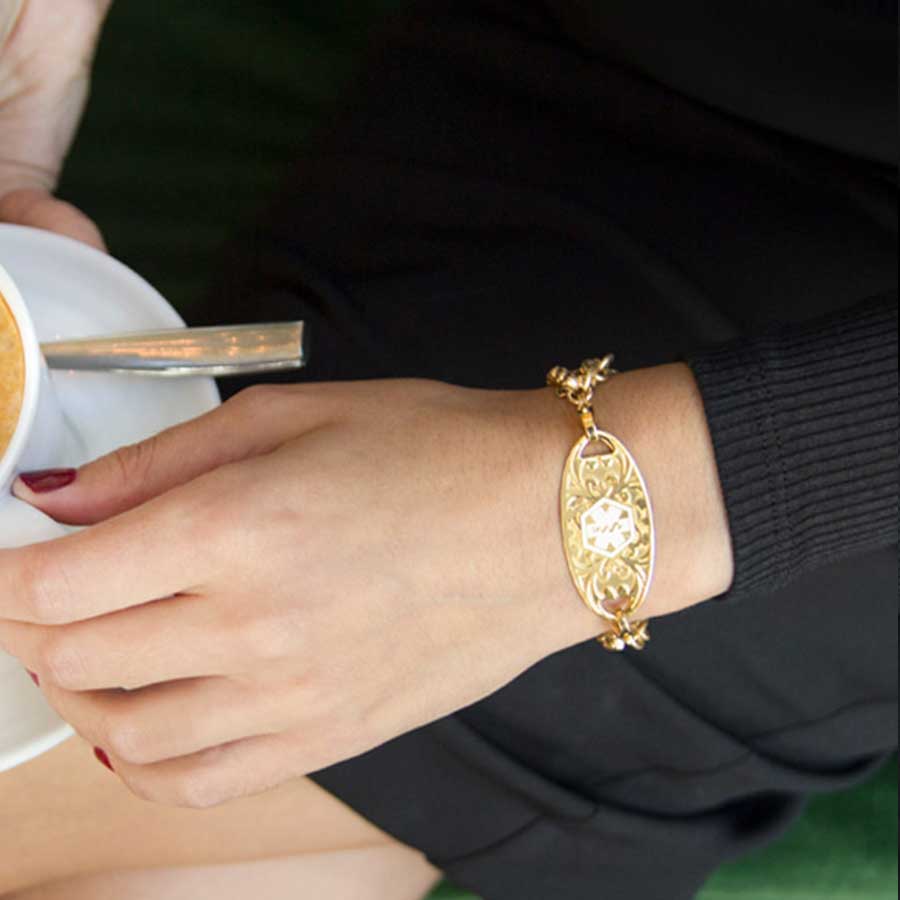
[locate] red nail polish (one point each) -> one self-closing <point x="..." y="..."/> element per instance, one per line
<point x="103" y="758"/>
<point x="34" y="677"/>
<point x="48" y="480"/>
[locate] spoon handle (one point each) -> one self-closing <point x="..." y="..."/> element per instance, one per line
<point x="229" y="350"/>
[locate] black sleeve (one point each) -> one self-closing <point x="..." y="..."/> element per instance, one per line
<point x="803" y="419"/>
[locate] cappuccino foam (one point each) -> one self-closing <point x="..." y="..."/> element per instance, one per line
<point x="12" y="376"/>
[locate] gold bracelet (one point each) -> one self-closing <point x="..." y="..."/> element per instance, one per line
<point x="605" y="514"/>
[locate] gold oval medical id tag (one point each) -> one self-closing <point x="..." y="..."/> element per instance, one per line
<point x="607" y="526"/>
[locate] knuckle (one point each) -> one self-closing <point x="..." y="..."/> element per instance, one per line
<point x="134" y="463"/>
<point x="142" y="788"/>
<point x="42" y="586"/>
<point x="253" y="398"/>
<point x="197" y="790"/>
<point x="62" y="662"/>
<point x="265" y="403"/>
<point x="123" y="738"/>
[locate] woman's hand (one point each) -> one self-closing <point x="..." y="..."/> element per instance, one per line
<point x="46" y="52"/>
<point x="310" y="571"/>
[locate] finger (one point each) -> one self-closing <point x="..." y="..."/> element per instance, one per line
<point x="168" y="721"/>
<point x="227" y="772"/>
<point x="254" y="422"/>
<point x="166" y="547"/>
<point x="37" y="208"/>
<point x="180" y="637"/>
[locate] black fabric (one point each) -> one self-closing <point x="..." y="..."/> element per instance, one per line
<point x="804" y="424"/>
<point x="493" y="200"/>
<point x="822" y="70"/>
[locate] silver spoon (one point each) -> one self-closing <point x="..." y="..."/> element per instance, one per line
<point x="228" y="350"/>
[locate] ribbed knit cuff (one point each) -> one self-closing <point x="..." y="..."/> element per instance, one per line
<point x="803" y="420"/>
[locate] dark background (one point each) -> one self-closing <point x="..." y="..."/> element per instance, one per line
<point x="197" y="110"/>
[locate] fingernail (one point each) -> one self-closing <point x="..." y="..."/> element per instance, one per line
<point x="47" y="480"/>
<point x="103" y="758"/>
<point x="34" y="677"/>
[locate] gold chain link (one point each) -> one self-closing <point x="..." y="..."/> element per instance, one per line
<point x="578" y="387"/>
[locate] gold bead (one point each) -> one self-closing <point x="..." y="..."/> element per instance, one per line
<point x="612" y="642"/>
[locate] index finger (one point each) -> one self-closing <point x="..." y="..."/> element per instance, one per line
<point x="151" y="552"/>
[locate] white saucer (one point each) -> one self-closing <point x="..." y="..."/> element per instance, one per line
<point x="74" y="291"/>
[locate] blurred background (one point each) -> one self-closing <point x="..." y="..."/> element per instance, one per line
<point x="198" y="109"/>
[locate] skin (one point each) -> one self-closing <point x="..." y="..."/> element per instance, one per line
<point x="67" y="823"/>
<point x="298" y="522"/>
<point x="46" y="50"/>
<point x="70" y="831"/>
<point x="314" y="547"/>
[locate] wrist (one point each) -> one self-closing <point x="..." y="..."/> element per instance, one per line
<point x="657" y="413"/>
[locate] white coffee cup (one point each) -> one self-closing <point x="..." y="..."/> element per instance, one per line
<point x="42" y="437"/>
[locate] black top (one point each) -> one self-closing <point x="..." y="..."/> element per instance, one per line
<point x="809" y="411"/>
<point x="804" y="423"/>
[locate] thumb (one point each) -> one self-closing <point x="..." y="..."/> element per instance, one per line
<point x="247" y="425"/>
<point x="37" y="208"/>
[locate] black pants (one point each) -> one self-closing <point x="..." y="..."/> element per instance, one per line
<point x="490" y="202"/>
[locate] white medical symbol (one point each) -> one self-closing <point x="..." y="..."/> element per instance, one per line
<point x="607" y="528"/>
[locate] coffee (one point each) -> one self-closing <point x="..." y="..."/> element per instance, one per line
<point x="12" y="375"/>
